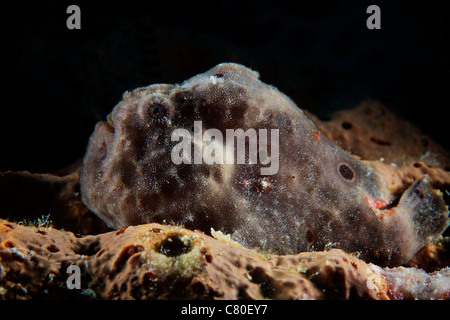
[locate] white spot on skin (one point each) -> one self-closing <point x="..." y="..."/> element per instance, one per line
<point x="215" y="80"/>
<point x="265" y="184"/>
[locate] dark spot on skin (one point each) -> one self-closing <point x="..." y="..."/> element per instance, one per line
<point x="352" y="216"/>
<point x="309" y="236"/>
<point x="347" y="125"/>
<point x="182" y="98"/>
<point x="127" y="172"/>
<point x="417" y="164"/>
<point x="169" y="186"/>
<point x="346" y="172"/>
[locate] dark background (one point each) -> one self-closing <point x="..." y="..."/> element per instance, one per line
<point x="57" y="83"/>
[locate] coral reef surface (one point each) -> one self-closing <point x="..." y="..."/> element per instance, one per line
<point x="166" y="262"/>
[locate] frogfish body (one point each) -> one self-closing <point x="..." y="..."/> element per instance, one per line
<point x="165" y="154"/>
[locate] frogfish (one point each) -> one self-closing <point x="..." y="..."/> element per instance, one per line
<point x="225" y="151"/>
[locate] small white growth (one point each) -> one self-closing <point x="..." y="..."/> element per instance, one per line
<point x="265" y="184"/>
<point x="215" y="79"/>
<point x="23" y="254"/>
<point x="219" y="235"/>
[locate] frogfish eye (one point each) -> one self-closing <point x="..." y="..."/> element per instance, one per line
<point x="157" y="111"/>
<point x="346" y="172"/>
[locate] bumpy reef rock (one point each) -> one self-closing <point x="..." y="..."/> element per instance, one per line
<point x="166" y="262"/>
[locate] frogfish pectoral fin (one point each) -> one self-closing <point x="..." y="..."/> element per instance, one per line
<point x="427" y="209"/>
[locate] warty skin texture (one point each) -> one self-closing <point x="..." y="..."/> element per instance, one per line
<point x="320" y="197"/>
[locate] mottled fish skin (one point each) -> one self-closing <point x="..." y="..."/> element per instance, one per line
<point x="321" y="197"/>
